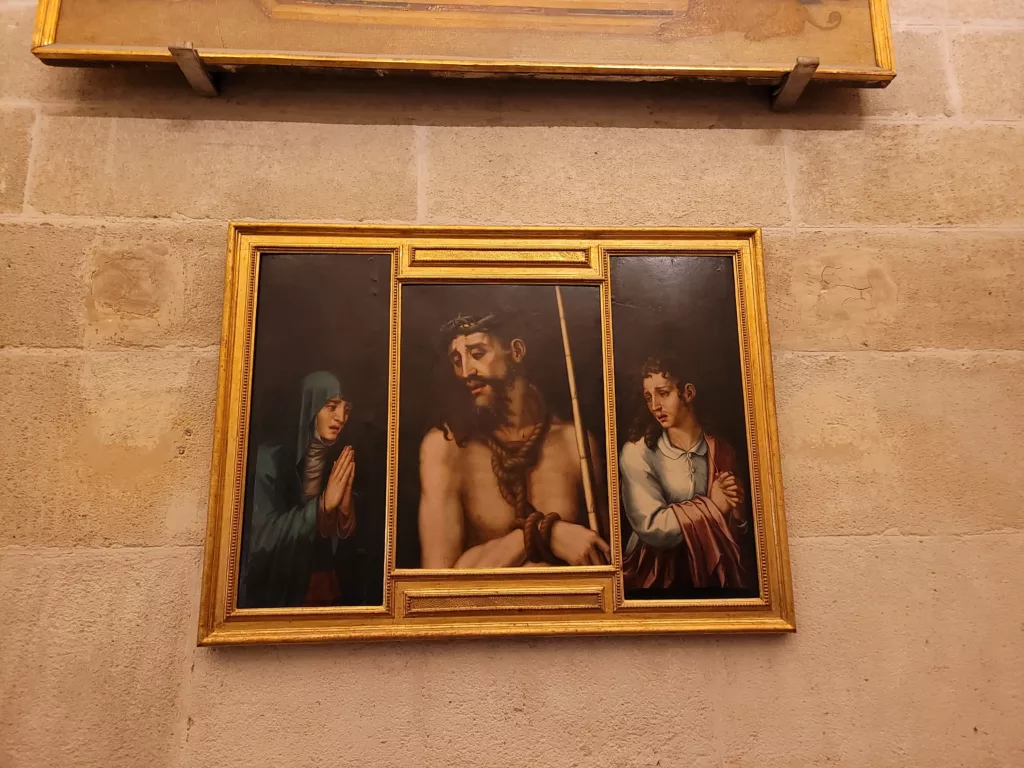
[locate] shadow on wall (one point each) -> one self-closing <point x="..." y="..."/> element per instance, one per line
<point x="285" y="95"/>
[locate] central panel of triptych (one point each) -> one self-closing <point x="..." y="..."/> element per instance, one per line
<point x="496" y="443"/>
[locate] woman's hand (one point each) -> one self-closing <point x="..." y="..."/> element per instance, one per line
<point x="339" y="483"/>
<point x="346" y="511"/>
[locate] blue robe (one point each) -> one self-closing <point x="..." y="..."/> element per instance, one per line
<point x="280" y="544"/>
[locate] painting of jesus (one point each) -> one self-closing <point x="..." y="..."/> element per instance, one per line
<point x="500" y="479"/>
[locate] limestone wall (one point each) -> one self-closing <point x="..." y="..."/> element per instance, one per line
<point x="894" y="230"/>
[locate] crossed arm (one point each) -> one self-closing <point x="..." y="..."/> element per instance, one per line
<point x="652" y="517"/>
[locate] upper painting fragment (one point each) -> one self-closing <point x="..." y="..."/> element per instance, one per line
<point x="727" y="39"/>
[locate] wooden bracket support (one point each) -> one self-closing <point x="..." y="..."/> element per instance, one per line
<point x="192" y="67"/>
<point x="793" y="86"/>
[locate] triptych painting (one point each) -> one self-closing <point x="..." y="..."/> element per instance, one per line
<point x="467" y="432"/>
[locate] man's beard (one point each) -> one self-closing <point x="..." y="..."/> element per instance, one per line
<point x="490" y="416"/>
<point x="463" y="419"/>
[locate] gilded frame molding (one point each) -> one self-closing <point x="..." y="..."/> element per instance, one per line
<point x="472" y="603"/>
<point x="46" y="47"/>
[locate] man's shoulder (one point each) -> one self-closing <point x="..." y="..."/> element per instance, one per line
<point x="563" y="433"/>
<point x="562" y="429"/>
<point x="635" y="454"/>
<point x="565" y="428"/>
<point x="438" y="445"/>
<point x="722" y="450"/>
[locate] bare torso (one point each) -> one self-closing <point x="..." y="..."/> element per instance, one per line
<point x="465" y="522"/>
<point x="553" y="485"/>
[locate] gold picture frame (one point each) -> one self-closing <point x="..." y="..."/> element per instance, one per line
<point x="424" y="603"/>
<point x="755" y="41"/>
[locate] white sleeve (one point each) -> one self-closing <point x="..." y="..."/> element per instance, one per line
<point x="644" y="501"/>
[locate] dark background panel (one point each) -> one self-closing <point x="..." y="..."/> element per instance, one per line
<point x="329" y="312"/>
<point x="685" y="305"/>
<point x="425" y="308"/>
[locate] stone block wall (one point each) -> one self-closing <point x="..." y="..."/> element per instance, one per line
<point x="894" y="234"/>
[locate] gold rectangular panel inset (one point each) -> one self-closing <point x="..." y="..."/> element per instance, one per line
<point x="519" y="256"/>
<point x="441" y="602"/>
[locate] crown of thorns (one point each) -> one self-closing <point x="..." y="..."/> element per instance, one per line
<point x="466" y="324"/>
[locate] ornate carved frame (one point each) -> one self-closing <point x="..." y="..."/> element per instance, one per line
<point x="468" y="603"/>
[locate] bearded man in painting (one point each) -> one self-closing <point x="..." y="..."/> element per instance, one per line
<point x="500" y="476"/>
<point x="680" y="494"/>
<point x="302" y="506"/>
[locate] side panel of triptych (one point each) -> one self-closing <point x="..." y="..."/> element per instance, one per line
<point x="684" y="480"/>
<point x="313" y="527"/>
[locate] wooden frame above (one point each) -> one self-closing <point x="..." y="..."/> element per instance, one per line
<point x="755" y="41"/>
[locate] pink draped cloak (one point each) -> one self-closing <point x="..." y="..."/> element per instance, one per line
<point x="710" y="555"/>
